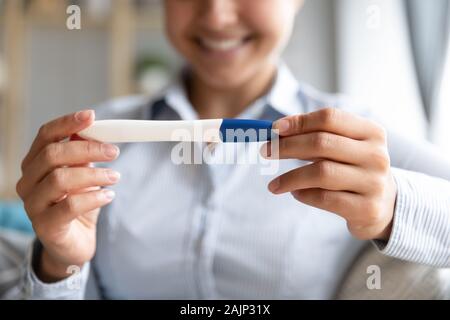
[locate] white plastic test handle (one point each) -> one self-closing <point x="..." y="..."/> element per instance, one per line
<point x="123" y="131"/>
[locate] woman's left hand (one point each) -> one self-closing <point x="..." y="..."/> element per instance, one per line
<point x="350" y="173"/>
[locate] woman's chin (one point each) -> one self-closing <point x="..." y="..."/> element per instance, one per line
<point x="225" y="83"/>
<point x="227" y="79"/>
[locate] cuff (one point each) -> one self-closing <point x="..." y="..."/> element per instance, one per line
<point x="72" y="288"/>
<point x="421" y="225"/>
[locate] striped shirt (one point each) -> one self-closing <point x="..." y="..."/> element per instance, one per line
<point x="213" y="231"/>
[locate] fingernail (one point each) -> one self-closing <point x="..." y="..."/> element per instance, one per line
<point x="266" y="150"/>
<point x="111" y="151"/>
<point x="113" y="176"/>
<point x="274" y="185"/>
<point x="109" y="194"/>
<point x="83" y="115"/>
<point x="282" y="126"/>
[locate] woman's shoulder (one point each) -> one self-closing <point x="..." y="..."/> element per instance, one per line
<point x="307" y="98"/>
<point x="314" y="99"/>
<point x="133" y="107"/>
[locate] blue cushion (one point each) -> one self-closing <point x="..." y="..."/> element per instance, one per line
<point x="13" y="216"/>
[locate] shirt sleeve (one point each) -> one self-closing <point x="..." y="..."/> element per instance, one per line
<point x="31" y="287"/>
<point x="421" y="226"/>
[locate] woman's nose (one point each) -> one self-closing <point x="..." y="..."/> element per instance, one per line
<point x="219" y="14"/>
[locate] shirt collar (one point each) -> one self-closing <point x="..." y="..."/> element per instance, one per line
<point x="283" y="98"/>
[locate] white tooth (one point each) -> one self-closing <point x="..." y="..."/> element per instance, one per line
<point x="222" y="44"/>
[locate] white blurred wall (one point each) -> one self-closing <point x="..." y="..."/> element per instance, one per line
<point x="311" y="53"/>
<point x="375" y="62"/>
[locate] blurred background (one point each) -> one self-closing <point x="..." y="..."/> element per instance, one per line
<point x="389" y="54"/>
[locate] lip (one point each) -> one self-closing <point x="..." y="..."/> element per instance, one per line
<point x="222" y="44"/>
<point x="222" y="47"/>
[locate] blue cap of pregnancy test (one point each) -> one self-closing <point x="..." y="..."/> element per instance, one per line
<point x="241" y="130"/>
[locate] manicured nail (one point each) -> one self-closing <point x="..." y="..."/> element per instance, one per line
<point x="274" y="185"/>
<point x="109" y="194"/>
<point x="113" y="176"/>
<point x="282" y="126"/>
<point x="266" y="150"/>
<point x="110" y="150"/>
<point x="83" y="115"/>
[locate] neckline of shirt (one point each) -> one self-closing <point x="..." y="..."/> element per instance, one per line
<point x="283" y="97"/>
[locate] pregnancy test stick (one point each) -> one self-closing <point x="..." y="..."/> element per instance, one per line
<point x="215" y="130"/>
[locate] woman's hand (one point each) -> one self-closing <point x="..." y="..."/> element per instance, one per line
<point x="350" y="173"/>
<point x="62" y="195"/>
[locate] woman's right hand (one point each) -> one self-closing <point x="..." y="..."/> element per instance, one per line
<point x="62" y="193"/>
